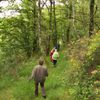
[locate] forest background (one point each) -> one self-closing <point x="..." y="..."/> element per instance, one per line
<point x="33" y="28"/>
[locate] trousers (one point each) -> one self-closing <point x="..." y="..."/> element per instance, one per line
<point x="42" y="88"/>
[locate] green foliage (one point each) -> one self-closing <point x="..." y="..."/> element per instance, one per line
<point x="84" y="57"/>
<point x="19" y="39"/>
<point x="20" y="88"/>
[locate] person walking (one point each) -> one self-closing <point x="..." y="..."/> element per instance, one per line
<point x="51" y="53"/>
<point x="39" y="75"/>
<point x="55" y="57"/>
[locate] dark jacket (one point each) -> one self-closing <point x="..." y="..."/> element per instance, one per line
<point x="39" y="73"/>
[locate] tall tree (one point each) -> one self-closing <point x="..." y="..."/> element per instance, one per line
<point x="35" y="37"/>
<point x="91" y="25"/>
<point x="50" y="14"/>
<point x="55" y="24"/>
<point x="69" y="15"/>
<point x="39" y="21"/>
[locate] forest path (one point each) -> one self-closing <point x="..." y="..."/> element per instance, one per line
<point x="56" y="83"/>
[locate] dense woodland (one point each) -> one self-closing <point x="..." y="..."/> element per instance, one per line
<point x="37" y="27"/>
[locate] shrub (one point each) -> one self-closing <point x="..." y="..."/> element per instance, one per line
<point x="84" y="56"/>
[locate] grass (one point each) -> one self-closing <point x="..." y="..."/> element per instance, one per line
<point x="22" y="89"/>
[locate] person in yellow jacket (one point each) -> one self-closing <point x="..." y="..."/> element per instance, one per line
<point x="55" y="57"/>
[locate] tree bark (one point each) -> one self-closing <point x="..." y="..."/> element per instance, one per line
<point x="91" y="25"/>
<point x="50" y="14"/>
<point x="55" y="26"/>
<point x="39" y="26"/>
<point x="35" y="37"/>
<point x="70" y="20"/>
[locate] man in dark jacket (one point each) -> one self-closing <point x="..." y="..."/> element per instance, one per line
<point x="39" y="75"/>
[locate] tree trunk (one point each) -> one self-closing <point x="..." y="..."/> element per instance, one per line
<point x="39" y="26"/>
<point x="35" y="37"/>
<point x="91" y="25"/>
<point x="69" y="16"/>
<point x="47" y="46"/>
<point x="50" y="14"/>
<point x="48" y="38"/>
<point x="67" y="33"/>
<point x="55" y="26"/>
<point x="73" y="13"/>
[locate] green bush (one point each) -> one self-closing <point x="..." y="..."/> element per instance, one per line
<point x="84" y="56"/>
